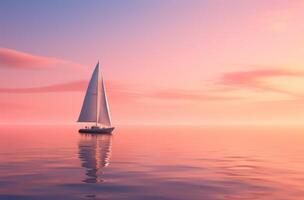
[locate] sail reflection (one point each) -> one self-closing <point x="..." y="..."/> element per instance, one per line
<point x="94" y="153"/>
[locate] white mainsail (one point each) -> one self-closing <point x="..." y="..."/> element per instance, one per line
<point x="104" y="114"/>
<point x="89" y="107"/>
<point x="89" y="111"/>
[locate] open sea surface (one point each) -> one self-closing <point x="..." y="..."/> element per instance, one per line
<point x="152" y="163"/>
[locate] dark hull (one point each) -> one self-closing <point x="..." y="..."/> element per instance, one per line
<point x="96" y="130"/>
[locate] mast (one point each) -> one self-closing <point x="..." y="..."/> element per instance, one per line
<point x="97" y="89"/>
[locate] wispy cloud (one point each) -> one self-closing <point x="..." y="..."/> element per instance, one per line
<point x="121" y="91"/>
<point x="252" y="79"/>
<point x="16" y="59"/>
<point x="8" y="106"/>
<point x="62" y="87"/>
<point x="190" y="95"/>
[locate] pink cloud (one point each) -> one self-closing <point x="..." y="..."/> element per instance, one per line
<point x="252" y="79"/>
<point x="17" y="59"/>
<point x="63" y="87"/>
<point x="123" y="93"/>
<point x="114" y="89"/>
<point x="8" y="106"/>
<point x="247" y="77"/>
<point x="178" y="94"/>
<point x="120" y="92"/>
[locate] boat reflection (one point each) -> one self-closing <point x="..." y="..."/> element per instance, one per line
<point x="94" y="153"/>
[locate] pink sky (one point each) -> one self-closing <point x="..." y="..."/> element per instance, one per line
<point x="189" y="62"/>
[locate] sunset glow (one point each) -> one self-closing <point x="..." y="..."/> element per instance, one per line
<point x="165" y="62"/>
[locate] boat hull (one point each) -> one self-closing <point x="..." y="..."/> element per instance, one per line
<point x="97" y="130"/>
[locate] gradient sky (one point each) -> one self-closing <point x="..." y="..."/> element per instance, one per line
<point x="164" y="61"/>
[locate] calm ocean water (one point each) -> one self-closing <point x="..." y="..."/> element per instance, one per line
<point x="205" y="163"/>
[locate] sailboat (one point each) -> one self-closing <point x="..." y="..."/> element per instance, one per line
<point x="95" y="106"/>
